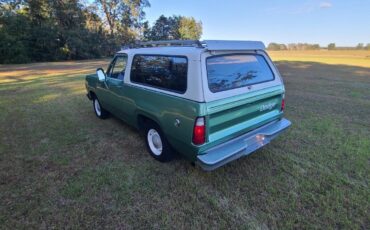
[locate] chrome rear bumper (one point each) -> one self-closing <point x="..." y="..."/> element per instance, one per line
<point x="242" y="145"/>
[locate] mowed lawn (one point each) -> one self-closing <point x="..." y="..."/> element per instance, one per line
<point x="61" y="167"/>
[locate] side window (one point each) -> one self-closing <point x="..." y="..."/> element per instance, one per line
<point x="165" y="72"/>
<point x="118" y="67"/>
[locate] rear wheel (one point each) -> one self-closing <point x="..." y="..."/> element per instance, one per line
<point x="156" y="143"/>
<point x="99" y="110"/>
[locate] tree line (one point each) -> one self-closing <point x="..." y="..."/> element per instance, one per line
<point x="307" y="46"/>
<point x="51" y="30"/>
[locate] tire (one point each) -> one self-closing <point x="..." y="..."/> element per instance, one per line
<point x="157" y="144"/>
<point x="99" y="110"/>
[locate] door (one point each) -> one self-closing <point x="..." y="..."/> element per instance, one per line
<point x="115" y="76"/>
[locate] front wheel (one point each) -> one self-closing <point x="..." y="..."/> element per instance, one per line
<point x="99" y="110"/>
<point x="157" y="144"/>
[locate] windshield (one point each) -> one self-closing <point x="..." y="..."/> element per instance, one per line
<point x="227" y="72"/>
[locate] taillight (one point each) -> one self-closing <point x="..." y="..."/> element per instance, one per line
<point x="282" y="104"/>
<point x="199" y="131"/>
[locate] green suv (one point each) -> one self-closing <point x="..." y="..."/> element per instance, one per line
<point x="212" y="101"/>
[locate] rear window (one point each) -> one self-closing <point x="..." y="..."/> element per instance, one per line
<point x="227" y="72"/>
<point x="164" y="72"/>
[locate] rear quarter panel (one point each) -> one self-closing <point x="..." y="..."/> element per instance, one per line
<point x="164" y="109"/>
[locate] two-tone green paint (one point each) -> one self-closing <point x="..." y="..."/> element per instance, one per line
<point x="129" y="102"/>
<point x="230" y="117"/>
<point x="225" y="119"/>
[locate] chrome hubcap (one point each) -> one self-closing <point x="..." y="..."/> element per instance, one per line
<point x="155" y="142"/>
<point x="97" y="107"/>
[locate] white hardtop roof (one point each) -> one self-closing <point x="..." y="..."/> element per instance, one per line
<point x="165" y="50"/>
<point x="220" y="45"/>
<point x="184" y="47"/>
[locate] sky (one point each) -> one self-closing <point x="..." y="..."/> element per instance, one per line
<point x="345" y="23"/>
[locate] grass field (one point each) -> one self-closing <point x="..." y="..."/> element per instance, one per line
<point x="360" y="58"/>
<point x="61" y="167"/>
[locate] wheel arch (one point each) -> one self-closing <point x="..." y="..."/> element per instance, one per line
<point x="92" y="95"/>
<point x="143" y="119"/>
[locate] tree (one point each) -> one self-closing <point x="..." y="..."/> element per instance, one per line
<point x="164" y="29"/>
<point x="292" y="46"/>
<point x="122" y="15"/>
<point x="145" y="31"/>
<point x="124" y="19"/>
<point x="360" y="46"/>
<point x="283" y="47"/>
<point x="315" y="47"/>
<point x="273" y="46"/>
<point x="331" y="46"/>
<point x="174" y="28"/>
<point x="276" y="46"/>
<point x="48" y="30"/>
<point x="14" y="36"/>
<point x="189" y="28"/>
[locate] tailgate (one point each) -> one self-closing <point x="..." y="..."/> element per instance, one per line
<point x="230" y="117"/>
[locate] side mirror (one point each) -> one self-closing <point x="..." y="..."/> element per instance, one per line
<point x="101" y="74"/>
